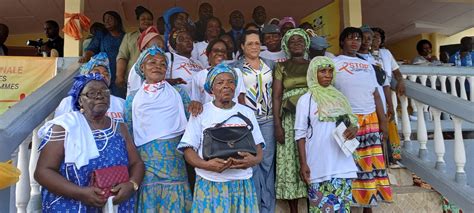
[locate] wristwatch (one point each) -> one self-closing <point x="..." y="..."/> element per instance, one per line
<point x="135" y="185"/>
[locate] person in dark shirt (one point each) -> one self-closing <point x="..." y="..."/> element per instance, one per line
<point x="205" y="12"/>
<point x="259" y="16"/>
<point x="3" y="37"/>
<point x="236" y="21"/>
<point x="51" y="29"/>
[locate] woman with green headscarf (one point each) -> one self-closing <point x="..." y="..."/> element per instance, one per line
<point x="289" y="84"/>
<point x="323" y="165"/>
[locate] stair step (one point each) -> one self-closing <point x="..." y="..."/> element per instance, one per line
<point x="403" y="177"/>
<point x="412" y="199"/>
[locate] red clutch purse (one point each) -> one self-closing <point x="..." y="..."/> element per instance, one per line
<point x="107" y="178"/>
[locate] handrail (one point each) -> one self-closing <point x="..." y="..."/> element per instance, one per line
<point x="442" y="101"/>
<point x="436" y="70"/>
<point x="415" y="154"/>
<point x="20" y="120"/>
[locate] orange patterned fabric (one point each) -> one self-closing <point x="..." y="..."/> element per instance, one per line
<point x="71" y="28"/>
<point x="372" y="183"/>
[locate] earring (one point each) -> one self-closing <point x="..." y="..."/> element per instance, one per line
<point x="81" y="110"/>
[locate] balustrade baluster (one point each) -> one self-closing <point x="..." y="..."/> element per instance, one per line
<point x="422" y="135"/>
<point x="22" y="192"/>
<point x="459" y="151"/>
<point x="439" y="146"/>
<point x="462" y="81"/>
<point x="412" y="102"/>
<point x="442" y="80"/>
<point x="34" y="204"/>
<point x="395" y="105"/>
<point x="406" y="127"/>
<point x="452" y="81"/>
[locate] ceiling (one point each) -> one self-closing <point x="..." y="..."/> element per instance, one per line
<point x="399" y="18"/>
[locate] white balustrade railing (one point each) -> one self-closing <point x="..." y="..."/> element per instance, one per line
<point x="460" y="111"/>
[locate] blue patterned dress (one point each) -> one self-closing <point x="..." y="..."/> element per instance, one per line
<point x="113" y="152"/>
<point x="165" y="185"/>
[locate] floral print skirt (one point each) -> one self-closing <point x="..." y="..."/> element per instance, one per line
<point x="333" y="195"/>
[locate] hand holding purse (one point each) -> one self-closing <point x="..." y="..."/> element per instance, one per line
<point x="107" y="178"/>
<point x="225" y="142"/>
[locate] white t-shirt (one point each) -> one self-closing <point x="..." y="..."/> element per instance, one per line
<point x="377" y="61"/>
<point x="329" y="55"/>
<point x="324" y="157"/>
<point x="199" y="53"/>
<point x="356" y="79"/>
<point x="389" y="63"/>
<point x="279" y="56"/>
<point x="210" y="116"/>
<point x="182" y="67"/>
<point x="115" y="111"/>
<point x="134" y="81"/>
<point x="199" y="94"/>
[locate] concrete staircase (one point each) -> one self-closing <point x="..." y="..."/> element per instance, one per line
<point x="410" y="198"/>
<point x="406" y="197"/>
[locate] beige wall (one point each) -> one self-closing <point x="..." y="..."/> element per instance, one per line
<point x="406" y="48"/>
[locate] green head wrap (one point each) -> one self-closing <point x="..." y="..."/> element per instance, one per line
<point x="332" y="104"/>
<point x="289" y="34"/>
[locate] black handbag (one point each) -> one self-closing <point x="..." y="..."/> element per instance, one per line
<point x="379" y="72"/>
<point x="224" y="142"/>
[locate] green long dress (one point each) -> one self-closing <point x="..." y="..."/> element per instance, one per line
<point x="288" y="183"/>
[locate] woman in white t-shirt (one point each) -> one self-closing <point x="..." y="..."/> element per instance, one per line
<point x="323" y="165"/>
<point x="213" y="30"/>
<point x="222" y="185"/>
<point x="217" y="53"/>
<point x="182" y="65"/>
<point x="356" y="80"/>
<point x="98" y="64"/>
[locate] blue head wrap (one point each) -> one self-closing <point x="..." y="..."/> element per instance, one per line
<point x="79" y="83"/>
<point x="99" y="59"/>
<point x="218" y="69"/>
<point x="166" y="16"/>
<point x="150" y="51"/>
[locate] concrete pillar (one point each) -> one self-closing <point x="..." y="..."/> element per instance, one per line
<point x="72" y="47"/>
<point x="352" y="13"/>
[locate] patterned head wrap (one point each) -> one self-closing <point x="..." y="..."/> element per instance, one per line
<point x="287" y="19"/>
<point x="100" y="59"/>
<point x="79" y="83"/>
<point x="332" y="104"/>
<point x="366" y="29"/>
<point x="289" y="34"/>
<point x="166" y="17"/>
<point x="148" y="34"/>
<point x="145" y="53"/>
<point x="214" y="72"/>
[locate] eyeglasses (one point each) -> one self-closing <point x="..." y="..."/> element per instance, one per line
<point x="354" y="37"/>
<point x="96" y="93"/>
<point x="216" y="50"/>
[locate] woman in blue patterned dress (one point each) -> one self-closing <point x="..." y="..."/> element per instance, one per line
<point x="156" y="115"/>
<point x="222" y="185"/>
<point x="79" y="142"/>
<point x="108" y="42"/>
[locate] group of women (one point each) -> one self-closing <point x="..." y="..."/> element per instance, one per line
<point x="294" y="106"/>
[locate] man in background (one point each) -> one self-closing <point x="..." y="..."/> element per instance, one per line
<point x="51" y="28"/>
<point x="3" y="37"/>
<point x="205" y="12"/>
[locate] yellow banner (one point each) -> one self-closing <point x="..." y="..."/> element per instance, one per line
<point x="327" y="22"/>
<point x="20" y="76"/>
